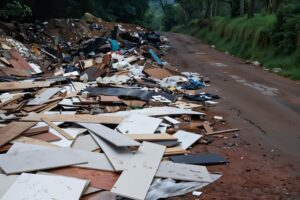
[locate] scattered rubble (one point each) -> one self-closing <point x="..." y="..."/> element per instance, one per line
<point x="90" y="107"/>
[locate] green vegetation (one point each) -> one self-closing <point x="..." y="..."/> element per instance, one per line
<point x="272" y="38"/>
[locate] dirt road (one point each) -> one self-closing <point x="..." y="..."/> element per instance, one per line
<point x="265" y="158"/>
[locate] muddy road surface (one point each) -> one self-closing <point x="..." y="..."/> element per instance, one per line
<point x="265" y="156"/>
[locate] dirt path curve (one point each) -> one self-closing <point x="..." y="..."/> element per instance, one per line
<point x="266" y="108"/>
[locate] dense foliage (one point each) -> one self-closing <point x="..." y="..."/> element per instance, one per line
<point x="116" y="10"/>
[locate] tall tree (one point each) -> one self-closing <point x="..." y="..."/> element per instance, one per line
<point x="251" y="8"/>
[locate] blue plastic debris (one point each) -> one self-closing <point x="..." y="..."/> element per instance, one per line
<point x="155" y="57"/>
<point x="114" y="45"/>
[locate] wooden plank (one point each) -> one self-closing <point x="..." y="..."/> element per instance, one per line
<point x="183" y="172"/>
<point x="110" y="135"/>
<point x="75" y="118"/>
<point x="175" y="151"/>
<point x="207" y="127"/>
<point x="37" y="130"/>
<point x="223" y="131"/>
<point x="118" y="156"/>
<point x="47" y="137"/>
<point x="152" y="137"/>
<point x="36" y="186"/>
<point x="39" y="159"/>
<point x="135" y="181"/>
<point x="15" y="98"/>
<point x="28" y="140"/>
<point x="61" y="131"/>
<point x="13" y="130"/>
<point x="10" y="86"/>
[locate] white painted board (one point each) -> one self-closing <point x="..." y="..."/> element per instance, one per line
<point x="85" y="143"/>
<point x="39" y="159"/>
<point x="135" y="181"/>
<point x="110" y="135"/>
<point x="137" y="123"/>
<point x="183" y="172"/>
<point x="6" y="182"/>
<point x="44" y="187"/>
<point x="118" y="156"/>
<point x="44" y="96"/>
<point x="187" y="139"/>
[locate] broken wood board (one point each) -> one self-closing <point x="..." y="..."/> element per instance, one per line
<point x="44" y="96"/>
<point x="183" y="172"/>
<point x="187" y="139"/>
<point x="36" y="130"/>
<point x="28" y="140"/>
<point x="47" y="137"/>
<point x="175" y="151"/>
<point x="118" y="156"/>
<point x="110" y="135"/>
<point x="13" y="130"/>
<point x="171" y="120"/>
<point x="39" y="159"/>
<point x="207" y="127"/>
<point x="58" y="129"/>
<point x="152" y="137"/>
<point x="99" y="179"/>
<point x="135" y="181"/>
<point x="22" y="85"/>
<point x="223" y="131"/>
<point x="85" y="143"/>
<point x="74" y="118"/>
<point x="36" y="186"/>
<point x="15" y="98"/>
<point x="137" y="123"/>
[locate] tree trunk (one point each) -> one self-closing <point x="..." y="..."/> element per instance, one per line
<point x="208" y="9"/>
<point x="251" y="9"/>
<point x="242" y="7"/>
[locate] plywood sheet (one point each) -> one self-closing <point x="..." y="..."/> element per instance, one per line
<point x="74" y="118"/>
<point x="12" y="130"/>
<point x="118" y="156"/>
<point x="9" y="86"/>
<point x="47" y="137"/>
<point x="28" y="140"/>
<point x="39" y="159"/>
<point x="187" y="139"/>
<point x="44" y="187"/>
<point x="137" y="123"/>
<point x="110" y="135"/>
<point x="183" y="172"/>
<point x="158" y="73"/>
<point x="135" y="181"/>
<point x="99" y="179"/>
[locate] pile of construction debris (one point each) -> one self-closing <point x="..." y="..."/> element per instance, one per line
<point x="89" y="110"/>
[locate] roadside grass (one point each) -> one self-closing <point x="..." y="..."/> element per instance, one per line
<point x="246" y="38"/>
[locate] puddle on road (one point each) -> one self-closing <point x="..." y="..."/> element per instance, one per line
<point x="269" y="91"/>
